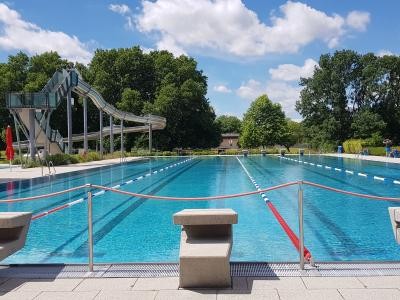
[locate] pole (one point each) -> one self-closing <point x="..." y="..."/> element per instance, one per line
<point x="122" y="139"/>
<point x="90" y="231"/>
<point x="301" y="228"/>
<point x="32" y="138"/>
<point x="150" y="138"/>
<point x="18" y="139"/>
<point x="85" y="138"/>
<point x="101" y="133"/>
<point x="69" y="121"/>
<point x="111" y="135"/>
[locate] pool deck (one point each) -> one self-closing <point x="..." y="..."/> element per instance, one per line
<point x="326" y="288"/>
<point x="366" y="157"/>
<point x="160" y="281"/>
<point x="18" y="173"/>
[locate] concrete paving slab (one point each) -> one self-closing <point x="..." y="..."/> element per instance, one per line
<point x="380" y="281"/>
<point x="106" y="284"/>
<point x="186" y="294"/>
<point x="370" y="294"/>
<point x="67" y="295"/>
<point x="329" y="294"/>
<point x="122" y="295"/>
<point x="155" y="284"/>
<point x="263" y="283"/>
<point x="20" y="284"/>
<point x="244" y="295"/>
<point x="19" y="295"/>
<point x="332" y="282"/>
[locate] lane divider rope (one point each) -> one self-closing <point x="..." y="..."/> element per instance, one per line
<point x="80" y="200"/>
<point x="289" y="232"/>
<point x="351" y="172"/>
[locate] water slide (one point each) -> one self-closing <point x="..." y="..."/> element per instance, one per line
<point x="51" y="96"/>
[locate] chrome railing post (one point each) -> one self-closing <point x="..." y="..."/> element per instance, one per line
<point x="90" y="231"/>
<point x="301" y="228"/>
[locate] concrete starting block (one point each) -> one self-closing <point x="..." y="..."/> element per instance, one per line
<point x="13" y="230"/>
<point x="394" y="213"/>
<point x="205" y="249"/>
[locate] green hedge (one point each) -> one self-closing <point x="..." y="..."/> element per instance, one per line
<point x="353" y="146"/>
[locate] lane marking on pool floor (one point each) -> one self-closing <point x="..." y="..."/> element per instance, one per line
<point x="289" y="232"/>
<point x="350" y="172"/>
<point x="80" y="200"/>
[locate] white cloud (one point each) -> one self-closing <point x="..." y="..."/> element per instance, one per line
<point x="229" y="27"/>
<point x="290" y="72"/>
<point x="124" y="11"/>
<point x="358" y="20"/>
<point x="18" y="34"/>
<point x="283" y="88"/>
<point x="384" y="52"/>
<point x="222" y="89"/>
<point x="251" y="89"/>
<point x="285" y="94"/>
<point x="121" y="9"/>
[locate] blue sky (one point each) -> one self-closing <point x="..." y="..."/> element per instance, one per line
<point x="245" y="48"/>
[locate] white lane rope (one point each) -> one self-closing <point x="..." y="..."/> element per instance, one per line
<point x="350" y="172"/>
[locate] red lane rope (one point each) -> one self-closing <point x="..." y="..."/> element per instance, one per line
<point x="286" y="228"/>
<point x="289" y="232"/>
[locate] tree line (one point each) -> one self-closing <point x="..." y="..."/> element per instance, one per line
<point x="351" y="95"/>
<point x="137" y="82"/>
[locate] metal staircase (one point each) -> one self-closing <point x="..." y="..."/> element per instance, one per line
<point x="45" y="101"/>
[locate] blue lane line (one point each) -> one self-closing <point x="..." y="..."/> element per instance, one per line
<point x="350" y="172"/>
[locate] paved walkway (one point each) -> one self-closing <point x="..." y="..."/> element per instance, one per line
<point x="359" y="288"/>
<point x="18" y="173"/>
<point x="366" y="157"/>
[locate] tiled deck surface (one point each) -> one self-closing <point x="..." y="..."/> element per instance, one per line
<point x="154" y="281"/>
<point x="384" y="287"/>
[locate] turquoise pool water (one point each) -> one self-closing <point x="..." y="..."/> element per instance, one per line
<point x="126" y="229"/>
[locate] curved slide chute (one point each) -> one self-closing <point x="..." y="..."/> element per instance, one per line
<point x="87" y="90"/>
<point x="50" y="97"/>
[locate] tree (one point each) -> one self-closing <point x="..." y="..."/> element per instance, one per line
<point x="327" y="93"/>
<point x="264" y="124"/>
<point x="295" y="134"/>
<point x="229" y="124"/>
<point x="365" y="123"/>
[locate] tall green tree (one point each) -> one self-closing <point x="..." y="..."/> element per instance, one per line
<point x="229" y="124"/>
<point x="365" y="123"/>
<point x="264" y="124"/>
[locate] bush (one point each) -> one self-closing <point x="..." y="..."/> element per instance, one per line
<point x="379" y="151"/>
<point x="62" y="159"/>
<point x="352" y="146"/>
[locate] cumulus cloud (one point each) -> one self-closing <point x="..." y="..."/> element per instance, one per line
<point x="290" y="72"/>
<point x="358" y="20"/>
<point x="286" y="95"/>
<point x="222" y="89"/>
<point x="251" y="89"/>
<point x="229" y="27"/>
<point x="282" y="88"/>
<point x="124" y="11"/>
<point x="18" y="34"/>
<point x="121" y="9"/>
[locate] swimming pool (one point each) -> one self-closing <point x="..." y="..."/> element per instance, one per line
<point x="126" y="229"/>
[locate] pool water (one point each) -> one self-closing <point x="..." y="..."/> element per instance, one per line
<point x="127" y="229"/>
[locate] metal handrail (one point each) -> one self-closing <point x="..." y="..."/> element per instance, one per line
<point x="299" y="183"/>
